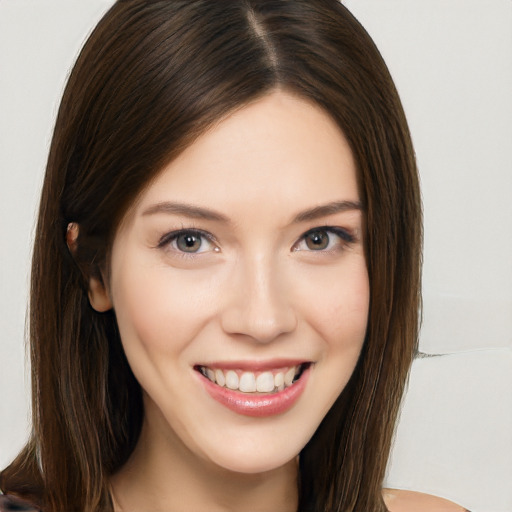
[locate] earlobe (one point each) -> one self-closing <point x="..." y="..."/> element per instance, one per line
<point x="98" y="296"/>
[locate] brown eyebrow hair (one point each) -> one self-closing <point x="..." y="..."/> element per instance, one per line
<point x="187" y="210"/>
<point x="327" y="209"/>
<point x="199" y="212"/>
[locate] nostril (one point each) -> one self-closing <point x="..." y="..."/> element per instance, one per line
<point x="262" y="325"/>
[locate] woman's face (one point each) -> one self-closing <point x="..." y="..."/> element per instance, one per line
<point x="240" y="286"/>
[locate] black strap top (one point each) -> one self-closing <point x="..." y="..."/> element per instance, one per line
<point x="10" y="503"/>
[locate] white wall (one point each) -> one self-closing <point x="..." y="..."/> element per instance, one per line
<point x="39" y="41"/>
<point x="452" y="63"/>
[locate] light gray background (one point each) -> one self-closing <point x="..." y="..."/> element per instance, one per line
<point x="452" y="63"/>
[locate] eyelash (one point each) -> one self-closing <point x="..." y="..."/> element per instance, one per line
<point x="171" y="237"/>
<point x="345" y="236"/>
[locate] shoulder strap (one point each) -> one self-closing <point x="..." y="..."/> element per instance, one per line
<point x="10" y="503"/>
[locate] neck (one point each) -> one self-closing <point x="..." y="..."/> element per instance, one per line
<point x="164" y="475"/>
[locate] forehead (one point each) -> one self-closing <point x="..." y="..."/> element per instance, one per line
<point x="279" y="150"/>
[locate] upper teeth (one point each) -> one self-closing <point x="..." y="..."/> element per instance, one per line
<point x="251" y="382"/>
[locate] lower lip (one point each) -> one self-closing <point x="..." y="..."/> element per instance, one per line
<point x="257" y="405"/>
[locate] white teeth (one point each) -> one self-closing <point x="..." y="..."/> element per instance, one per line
<point x="288" y="376"/>
<point x="219" y="377"/>
<point x="231" y="380"/>
<point x="248" y="383"/>
<point x="265" y="382"/>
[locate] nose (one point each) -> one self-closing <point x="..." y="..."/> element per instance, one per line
<point x="258" y="302"/>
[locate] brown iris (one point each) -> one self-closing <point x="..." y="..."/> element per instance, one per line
<point x="188" y="242"/>
<point x="317" y="240"/>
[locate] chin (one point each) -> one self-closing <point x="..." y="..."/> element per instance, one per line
<point x="252" y="463"/>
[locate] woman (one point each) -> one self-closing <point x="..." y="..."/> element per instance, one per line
<point x="225" y="284"/>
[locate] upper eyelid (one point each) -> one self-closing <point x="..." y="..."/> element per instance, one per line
<point x="172" y="235"/>
<point x="347" y="238"/>
<point x="347" y="235"/>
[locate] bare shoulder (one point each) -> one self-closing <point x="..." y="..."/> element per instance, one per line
<point x="408" y="501"/>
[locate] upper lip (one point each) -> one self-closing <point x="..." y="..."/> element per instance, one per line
<point x="254" y="366"/>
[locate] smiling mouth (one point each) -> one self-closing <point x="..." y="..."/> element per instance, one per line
<point x="270" y="381"/>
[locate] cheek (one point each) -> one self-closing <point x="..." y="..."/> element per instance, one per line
<point x="338" y="305"/>
<point x="158" y="309"/>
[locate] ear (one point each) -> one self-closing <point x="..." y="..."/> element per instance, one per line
<point x="72" y="237"/>
<point x="98" y="295"/>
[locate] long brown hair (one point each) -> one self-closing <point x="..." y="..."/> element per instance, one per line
<point x="152" y="77"/>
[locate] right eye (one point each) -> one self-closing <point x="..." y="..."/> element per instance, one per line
<point x="189" y="241"/>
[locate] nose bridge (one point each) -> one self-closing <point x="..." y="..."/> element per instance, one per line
<point x="259" y="305"/>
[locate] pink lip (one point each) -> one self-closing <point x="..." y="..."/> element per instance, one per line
<point x="254" y="366"/>
<point x="257" y="405"/>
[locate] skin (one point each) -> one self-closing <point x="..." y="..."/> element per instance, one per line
<point x="256" y="293"/>
<point x="410" y="501"/>
<point x="257" y="290"/>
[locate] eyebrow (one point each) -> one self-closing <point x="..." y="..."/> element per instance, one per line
<point x="327" y="209"/>
<point x="187" y="210"/>
<point x="199" y="212"/>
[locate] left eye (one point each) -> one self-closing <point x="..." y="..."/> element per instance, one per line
<point x="190" y="242"/>
<point x="322" y="239"/>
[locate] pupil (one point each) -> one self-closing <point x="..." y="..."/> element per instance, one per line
<point x="317" y="240"/>
<point x="189" y="243"/>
